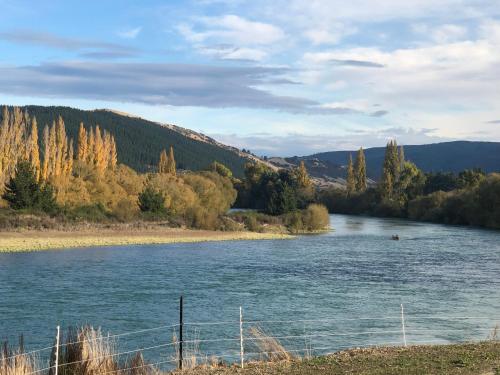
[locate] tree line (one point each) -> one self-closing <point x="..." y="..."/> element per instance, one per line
<point x="470" y="197"/>
<point x="49" y="176"/>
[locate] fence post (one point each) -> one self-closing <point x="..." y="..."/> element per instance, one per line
<point x="181" y="327"/>
<point x="242" y="358"/>
<point x="57" y="349"/>
<point x="403" y="324"/>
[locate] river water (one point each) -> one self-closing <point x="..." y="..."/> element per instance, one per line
<point x="340" y="289"/>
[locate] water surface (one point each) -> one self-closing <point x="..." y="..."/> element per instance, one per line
<point x="442" y="274"/>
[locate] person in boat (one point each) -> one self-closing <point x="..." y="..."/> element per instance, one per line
<point x="395" y="237"/>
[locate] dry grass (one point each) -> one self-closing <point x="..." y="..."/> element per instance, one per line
<point x="270" y="348"/>
<point x="44" y="240"/>
<point x="15" y="362"/>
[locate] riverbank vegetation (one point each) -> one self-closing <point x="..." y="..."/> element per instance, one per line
<point x="54" y="178"/>
<point x="86" y="351"/>
<point x="469" y="198"/>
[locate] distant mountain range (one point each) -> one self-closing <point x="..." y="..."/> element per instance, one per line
<point x="139" y="141"/>
<point x="437" y="157"/>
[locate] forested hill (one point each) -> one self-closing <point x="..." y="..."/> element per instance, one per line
<point x="139" y="142"/>
<point x="436" y="157"/>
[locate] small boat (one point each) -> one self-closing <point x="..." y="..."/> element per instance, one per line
<point x="395" y="237"/>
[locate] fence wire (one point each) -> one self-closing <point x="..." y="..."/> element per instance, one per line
<point x="287" y="336"/>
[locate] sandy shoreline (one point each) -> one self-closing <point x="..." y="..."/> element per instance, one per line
<point x="36" y="240"/>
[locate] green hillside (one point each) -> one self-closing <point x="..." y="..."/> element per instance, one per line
<point x="139" y="141"/>
<point x="436" y="157"/>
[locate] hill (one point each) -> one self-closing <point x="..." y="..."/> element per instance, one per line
<point x="437" y="157"/>
<point x="139" y="141"/>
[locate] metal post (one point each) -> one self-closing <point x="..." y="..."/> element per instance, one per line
<point x="242" y="358"/>
<point x="403" y="324"/>
<point x="57" y="350"/>
<point x="181" y="326"/>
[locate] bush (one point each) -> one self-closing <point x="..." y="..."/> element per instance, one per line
<point x="24" y="191"/>
<point x="315" y="217"/>
<point x="252" y="224"/>
<point x="92" y="213"/>
<point x="125" y="210"/>
<point x="151" y="200"/>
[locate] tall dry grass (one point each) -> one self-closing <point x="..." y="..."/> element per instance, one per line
<point x="86" y="351"/>
<point x="270" y="348"/>
<point x="15" y="361"/>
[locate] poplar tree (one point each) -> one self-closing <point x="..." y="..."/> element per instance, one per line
<point x="82" y="143"/>
<point x="90" y="146"/>
<point x="163" y="163"/>
<point x="360" y="171"/>
<point x="391" y="169"/>
<point x="351" y="179"/>
<point x="46" y="153"/>
<point x="69" y="159"/>
<point x="302" y="175"/>
<point x="99" y="151"/>
<point x="113" y="154"/>
<point x="171" y="168"/>
<point x="34" y="152"/>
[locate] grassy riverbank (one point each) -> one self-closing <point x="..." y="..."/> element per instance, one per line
<point x="34" y="240"/>
<point x="464" y="359"/>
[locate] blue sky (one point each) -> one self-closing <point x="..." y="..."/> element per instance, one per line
<point x="282" y="77"/>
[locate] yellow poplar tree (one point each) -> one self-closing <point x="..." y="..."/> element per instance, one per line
<point x="171" y="162"/>
<point x="34" y="156"/>
<point x="82" y="143"/>
<point x="162" y="165"/>
<point x="99" y="152"/>
<point x="69" y="159"/>
<point x="46" y="153"/>
<point x="113" y="154"/>
<point x="90" y="146"/>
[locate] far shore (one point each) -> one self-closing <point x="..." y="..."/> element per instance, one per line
<point x="36" y="240"/>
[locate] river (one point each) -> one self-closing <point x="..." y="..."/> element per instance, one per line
<point x="340" y="289"/>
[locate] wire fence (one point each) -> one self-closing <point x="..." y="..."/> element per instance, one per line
<point x="240" y="341"/>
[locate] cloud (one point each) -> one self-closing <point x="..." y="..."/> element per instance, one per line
<point x="379" y="113"/>
<point x="357" y="63"/>
<point x="493" y="122"/>
<point x="429" y="77"/>
<point x="300" y="144"/>
<point x="130" y="34"/>
<point x="446" y="33"/>
<point x="330" y="33"/>
<point x="87" y="48"/>
<point x="355" y="107"/>
<point x="233" y="30"/>
<point x="229" y="52"/>
<point x="156" y="84"/>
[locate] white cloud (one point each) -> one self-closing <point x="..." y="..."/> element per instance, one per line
<point x="446" y="33"/>
<point x="305" y="143"/>
<point x="329" y="34"/>
<point x="225" y="52"/>
<point x="130" y="34"/>
<point x="460" y="73"/>
<point x="232" y="29"/>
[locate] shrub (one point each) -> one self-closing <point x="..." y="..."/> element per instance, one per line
<point x="92" y="212"/>
<point x="315" y="217"/>
<point x="252" y="224"/>
<point x="151" y="200"/>
<point x="24" y="191"/>
<point x="125" y="210"/>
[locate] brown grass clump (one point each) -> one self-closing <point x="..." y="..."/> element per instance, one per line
<point x="16" y="362"/>
<point x="269" y="347"/>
